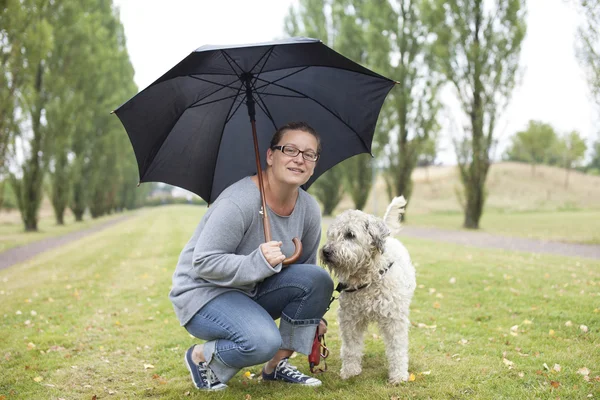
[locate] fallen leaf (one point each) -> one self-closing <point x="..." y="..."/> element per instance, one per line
<point x="38" y="379"/>
<point x="556" y="367"/>
<point x="554" y="384"/>
<point x="436" y="305"/>
<point x="521" y="374"/>
<point x="568" y="323"/>
<point x="426" y="372"/>
<point x="527" y="322"/>
<point x="248" y="397"/>
<point x="508" y="363"/>
<point x="148" y="366"/>
<point x="411" y="377"/>
<point x="583" y="371"/>
<point x="551" y="332"/>
<point x="30" y="346"/>
<point x="546" y="367"/>
<point x="583" y="328"/>
<point x="452" y="280"/>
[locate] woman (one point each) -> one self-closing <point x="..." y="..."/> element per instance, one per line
<point x="229" y="286"/>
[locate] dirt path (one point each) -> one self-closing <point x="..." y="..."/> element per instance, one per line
<point x="488" y="240"/>
<point x="22" y="253"/>
<point x="476" y="239"/>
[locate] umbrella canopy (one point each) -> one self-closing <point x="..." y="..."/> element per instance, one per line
<point x="190" y="128"/>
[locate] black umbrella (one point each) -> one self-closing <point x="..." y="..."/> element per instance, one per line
<point x="189" y="128"/>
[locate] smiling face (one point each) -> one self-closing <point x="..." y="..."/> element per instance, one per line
<point x="293" y="170"/>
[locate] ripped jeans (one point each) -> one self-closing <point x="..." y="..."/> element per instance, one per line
<point x="240" y="330"/>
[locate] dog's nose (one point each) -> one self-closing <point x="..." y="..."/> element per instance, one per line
<point x="326" y="252"/>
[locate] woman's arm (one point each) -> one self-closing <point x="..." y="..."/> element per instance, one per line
<point x="215" y="259"/>
<point x="312" y="232"/>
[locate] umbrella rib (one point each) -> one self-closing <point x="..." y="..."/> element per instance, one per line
<point x="223" y="86"/>
<point x="279" y="79"/>
<point x="269" y="51"/>
<point x="322" y="105"/>
<point x="231" y="114"/>
<point x="228" y="58"/>
<point x="282" y="95"/>
<point x="196" y="104"/>
<point x="265" y="110"/>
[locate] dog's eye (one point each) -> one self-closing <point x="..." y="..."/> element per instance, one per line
<point x="349" y="235"/>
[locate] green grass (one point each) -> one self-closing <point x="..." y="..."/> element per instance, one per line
<point x="12" y="233"/>
<point x="93" y="318"/>
<point x="564" y="226"/>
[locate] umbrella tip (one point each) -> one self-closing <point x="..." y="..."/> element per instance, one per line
<point x="138" y="185"/>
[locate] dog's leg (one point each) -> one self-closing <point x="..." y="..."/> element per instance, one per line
<point x="395" y="336"/>
<point x="352" y="329"/>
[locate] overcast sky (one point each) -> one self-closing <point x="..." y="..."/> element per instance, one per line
<point x="553" y="89"/>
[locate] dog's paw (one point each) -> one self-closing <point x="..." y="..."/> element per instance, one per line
<point x="348" y="371"/>
<point x="398" y="379"/>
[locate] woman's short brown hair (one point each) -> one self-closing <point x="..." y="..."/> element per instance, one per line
<point x="295" y="126"/>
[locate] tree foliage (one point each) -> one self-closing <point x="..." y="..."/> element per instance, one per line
<point x="572" y="149"/>
<point x="534" y="145"/>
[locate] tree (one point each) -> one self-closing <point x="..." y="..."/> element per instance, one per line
<point x="358" y="176"/>
<point x="572" y="147"/>
<point x="594" y="164"/>
<point x="35" y="44"/>
<point x="390" y="38"/>
<point x="588" y="44"/>
<point x="532" y="145"/>
<point x="477" y="48"/>
<point x="328" y="188"/>
<point x="428" y="154"/>
<point x="311" y="21"/>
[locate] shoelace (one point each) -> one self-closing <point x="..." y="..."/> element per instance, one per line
<point x="209" y="376"/>
<point x="290" y="370"/>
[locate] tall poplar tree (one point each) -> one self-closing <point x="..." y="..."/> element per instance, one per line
<point x="478" y="45"/>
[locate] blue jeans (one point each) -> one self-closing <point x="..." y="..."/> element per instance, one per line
<point x="240" y="330"/>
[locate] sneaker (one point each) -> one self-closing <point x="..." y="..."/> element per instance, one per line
<point x="286" y="372"/>
<point x="202" y="375"/>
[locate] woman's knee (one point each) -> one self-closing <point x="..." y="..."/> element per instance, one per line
<point x="320" y="280"/>
<point x="262" y="345"/>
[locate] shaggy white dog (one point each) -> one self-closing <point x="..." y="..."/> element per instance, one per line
<point x="377" y="282"/>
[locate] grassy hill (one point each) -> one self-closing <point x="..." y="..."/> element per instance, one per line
<point x="511" y="187"/>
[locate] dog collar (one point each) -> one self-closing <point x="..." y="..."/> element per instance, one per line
<point x="342" y="287"/>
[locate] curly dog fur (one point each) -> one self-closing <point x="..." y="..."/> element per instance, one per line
<point x="379" y="278"/>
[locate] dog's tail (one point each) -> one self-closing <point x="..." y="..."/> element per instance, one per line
<point x="393" y="214"/>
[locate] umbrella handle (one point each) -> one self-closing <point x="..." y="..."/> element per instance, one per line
<point x="294" y="257"/>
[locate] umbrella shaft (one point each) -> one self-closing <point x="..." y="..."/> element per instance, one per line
<point x="266" y="223"/>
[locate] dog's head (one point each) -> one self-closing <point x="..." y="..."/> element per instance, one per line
<point x="355" y="241"/>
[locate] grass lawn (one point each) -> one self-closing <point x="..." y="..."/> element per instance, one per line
<point x="12" y="233"/>
<point x="563" y="226"/>
<point x="93" y="319"/>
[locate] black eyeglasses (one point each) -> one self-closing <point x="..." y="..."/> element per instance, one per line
<point x="308" y="155"/>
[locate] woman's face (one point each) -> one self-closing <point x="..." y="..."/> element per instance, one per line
<point x="293" y="170"/>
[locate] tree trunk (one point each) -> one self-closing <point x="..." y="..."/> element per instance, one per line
<point x="33" y="172"/>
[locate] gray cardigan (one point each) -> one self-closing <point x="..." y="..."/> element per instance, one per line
<point x="223" y="253"/>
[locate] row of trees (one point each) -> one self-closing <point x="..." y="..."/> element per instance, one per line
<point x="541" y="144"/>
<point x="471" y="45"/>
<point x="63" y="67"/>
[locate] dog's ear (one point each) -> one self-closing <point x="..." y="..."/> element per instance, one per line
<point x="378" y="231"/>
